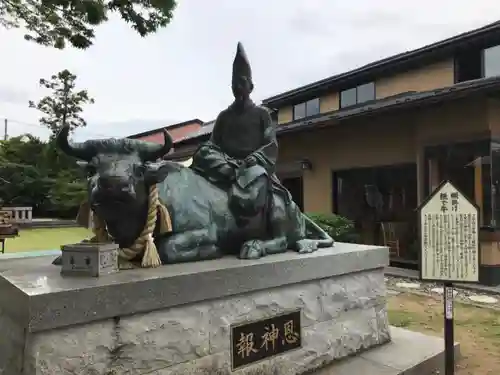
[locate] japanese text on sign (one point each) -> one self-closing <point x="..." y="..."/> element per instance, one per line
<point x="262" y="339"/>
<point x="449" y="237"/>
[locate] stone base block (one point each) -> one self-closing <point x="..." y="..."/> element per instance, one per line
<point x="409" y="353"/>
<point x="146" y="322"/>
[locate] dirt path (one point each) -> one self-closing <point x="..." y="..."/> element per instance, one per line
<point x="477" y="329"/>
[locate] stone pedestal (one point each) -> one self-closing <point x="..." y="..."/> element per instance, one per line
<point x="176" y="319"/>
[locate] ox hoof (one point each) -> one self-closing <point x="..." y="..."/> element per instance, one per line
<point x="57" y="261"/>
<point x="306" y="246"/>
<point x="252" y="250"/>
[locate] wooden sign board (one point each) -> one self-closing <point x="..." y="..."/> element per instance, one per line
<point x="449" y="236"/>
<point x="255" y="341"/>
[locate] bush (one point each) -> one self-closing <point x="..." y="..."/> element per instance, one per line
<point x="338" y="227"/>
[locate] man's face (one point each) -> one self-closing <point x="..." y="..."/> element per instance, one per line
<point x="242" y="87"/>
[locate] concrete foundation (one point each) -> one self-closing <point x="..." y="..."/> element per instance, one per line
<point x="176" y="319"/>
<point x="408" y="353"/>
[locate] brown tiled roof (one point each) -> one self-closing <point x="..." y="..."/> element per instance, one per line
<point x="169" y="126"/>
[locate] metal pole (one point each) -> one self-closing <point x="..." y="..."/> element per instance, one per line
<point x="5" y="132"/>
<point x="449" y="345"/>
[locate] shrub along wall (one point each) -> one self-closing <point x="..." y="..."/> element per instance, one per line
<point x="338" y="227"/>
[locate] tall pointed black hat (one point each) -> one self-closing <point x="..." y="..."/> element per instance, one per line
<point x="241" y="65"/>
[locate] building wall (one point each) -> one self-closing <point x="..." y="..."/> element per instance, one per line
<point x="429" y="77"/>
<point x="341" y="147"/>
<point x="329" y="102"/>
<point x="380" y="141"/>
<point x="285" y="114"/>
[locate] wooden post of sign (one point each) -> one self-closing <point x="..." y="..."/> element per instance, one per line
<point x="449" y="330"/>
<point x="449" y="250"/>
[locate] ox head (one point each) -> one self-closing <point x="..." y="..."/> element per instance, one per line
<point x="119" y="171"/>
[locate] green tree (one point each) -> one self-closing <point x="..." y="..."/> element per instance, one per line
<point x="66" y="193"/>
<point x="23" y="167"/>
<point x="63" y="181"/>
<point x="25" y="149"/>
<point x="58" y="22"/>
<point x="37" y="174"/>
<point x="64" y="106"/>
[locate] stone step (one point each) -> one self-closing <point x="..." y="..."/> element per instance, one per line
<point x="409" y="353"/>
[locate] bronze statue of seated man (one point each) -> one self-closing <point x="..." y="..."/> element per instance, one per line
<point x="229" y="202"/>
<point x="241" y="155"/>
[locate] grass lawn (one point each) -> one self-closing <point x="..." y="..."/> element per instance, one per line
<point x="476" y="329"/>
<point x="44" y="239"/>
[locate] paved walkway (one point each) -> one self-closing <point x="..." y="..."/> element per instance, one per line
<point x="413" y="275"/>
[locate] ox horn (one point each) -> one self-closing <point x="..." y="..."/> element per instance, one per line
<point x="77" y="150"/>
<point x="157" y="151"/>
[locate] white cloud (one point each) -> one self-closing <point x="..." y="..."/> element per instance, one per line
<point x="184" y="71"/>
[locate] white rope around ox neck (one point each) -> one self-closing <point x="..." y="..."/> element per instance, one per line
<point x="144" y="244"/>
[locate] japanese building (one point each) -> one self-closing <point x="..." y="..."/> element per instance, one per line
<point x="372" y="143"/>
<point x="176" y="131"/>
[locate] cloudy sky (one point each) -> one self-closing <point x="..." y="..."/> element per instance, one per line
<point x="184" y="71"/>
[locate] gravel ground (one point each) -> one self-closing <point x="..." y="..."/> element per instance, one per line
<point x="397" y="285"/>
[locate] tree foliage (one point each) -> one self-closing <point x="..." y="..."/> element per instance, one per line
<point x="37" y="174"/>
<point x="64" y="105"/>
<point x="59" y="22"/>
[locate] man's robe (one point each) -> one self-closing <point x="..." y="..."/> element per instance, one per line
<point x="237" y="134"/>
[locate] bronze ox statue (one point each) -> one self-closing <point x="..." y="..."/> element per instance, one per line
<point x="121" y="173"/>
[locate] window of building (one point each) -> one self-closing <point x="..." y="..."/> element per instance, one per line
<point x="477" y="63"/>
<point x="348" y="97"/>
<point x="491" y="59"/>
<point x="380" y="200"/>
<point x="306" y="109"/>
<point x="468" y="66"/>
<point x="366" y="92"/>
<point x="467" y="166"/>
<point x="274" y="115"/>
<point x="299" y="111"/>
<point x="360" y="94"/>
<point x="312" y="107"/>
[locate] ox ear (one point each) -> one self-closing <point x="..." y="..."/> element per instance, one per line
<point x="157" y="172"/>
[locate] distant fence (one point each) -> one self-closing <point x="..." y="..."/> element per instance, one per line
<point x="20" y="215"/>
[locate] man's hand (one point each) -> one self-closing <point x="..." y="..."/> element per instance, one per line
<point x="228" y="171"/>
<point x="250" y="161"/>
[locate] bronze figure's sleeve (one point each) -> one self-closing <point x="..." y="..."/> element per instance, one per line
<point x="267" y="154"/>
<point x="211" y="162"/>
<point x="215" y="137"/>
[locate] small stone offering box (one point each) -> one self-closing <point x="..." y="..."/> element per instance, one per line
<point x="89" y="259"/>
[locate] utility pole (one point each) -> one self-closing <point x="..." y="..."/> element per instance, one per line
<point x="5" y="128"/>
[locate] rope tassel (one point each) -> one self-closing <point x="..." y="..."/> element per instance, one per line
<point x="144" y="244"/>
